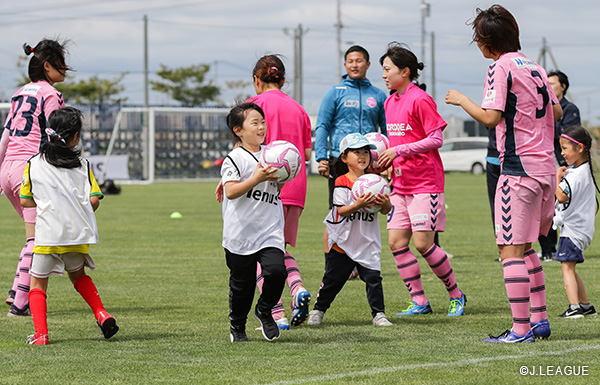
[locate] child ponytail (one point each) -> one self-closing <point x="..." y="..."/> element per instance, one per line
<point x="51" y="51"/>
<point x="65" y="125"/>
<point x="579" y="135"/>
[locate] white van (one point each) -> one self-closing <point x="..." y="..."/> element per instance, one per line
<point x="464" y="154"/>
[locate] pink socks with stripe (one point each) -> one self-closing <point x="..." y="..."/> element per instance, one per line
<point x="516" y="280"/>
<point x="438" y="261"/>
<point x="537" y="286"/>
<point x="410" y="272"/>
<point x="21" y="297"/>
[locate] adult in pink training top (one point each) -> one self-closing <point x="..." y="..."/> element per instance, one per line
<point x="414" y="128"/>
<point x="286" y="120"/>
<point x="518" y="100"/>
<point x="22" y="138"/>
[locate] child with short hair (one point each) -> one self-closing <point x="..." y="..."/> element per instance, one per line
<point x="354" y="238"/>
<point x="575" y="196"/>
<point x="253" y="225"/>
<point x="62" y="186"/>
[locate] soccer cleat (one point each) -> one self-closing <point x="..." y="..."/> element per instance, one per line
<point x="11" y="297"/>
<point x="572" y="313"/>
<point x="16" y="312"/>
<point x="107" y="324"/>
<point x="589" y="311"/>
<point x="509" y="337"/>
<point x="37" y="339"/>
<point x="457" y="306"/>
<point x="315" y="317"/>
<point x="381" y="320"/>
<point x="282" y="324"/>
<point x="415" y="309"/>
<point x="546" y="258"/>
<point x="300" y="306"/>
<point x="270" y="330"/>
<point x="540" y="329"/>
<point x="238" y="334"/>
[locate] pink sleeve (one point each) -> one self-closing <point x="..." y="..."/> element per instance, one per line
<point x="434" y="140"/>
<point x="3" y="145"/>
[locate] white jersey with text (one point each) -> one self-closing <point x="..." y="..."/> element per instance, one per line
<point x="253" y="221"/>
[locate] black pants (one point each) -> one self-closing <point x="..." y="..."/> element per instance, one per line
<point x="338" y="267"/>
<point x="548" y="242"/>
<point x="242" y="282"/>
<point x="492" y="174"/>
<point x="332" y="177"/>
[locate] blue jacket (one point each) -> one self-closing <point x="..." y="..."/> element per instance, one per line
<point x="351" y="106"/>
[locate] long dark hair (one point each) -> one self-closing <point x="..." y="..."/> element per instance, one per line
<point x="51" y="51"/>
<point x="582" y="136"/>
<point x="402" y="57"/>
<point x="64" y="124"/>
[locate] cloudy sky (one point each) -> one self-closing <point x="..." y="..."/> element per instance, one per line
<point x="230" y="35"/>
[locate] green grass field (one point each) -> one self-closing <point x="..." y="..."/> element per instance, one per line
<point x="165" y="280"/>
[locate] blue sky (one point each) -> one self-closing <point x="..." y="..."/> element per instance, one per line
<point x="231" y="35"/>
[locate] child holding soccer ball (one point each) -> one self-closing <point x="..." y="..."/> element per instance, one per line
<point x="252" y="225"/>
<point x="575" y="196"/>
<point x="354" y="239"/>
<point x="62" y="186"/>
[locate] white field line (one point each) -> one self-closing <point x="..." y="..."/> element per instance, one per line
<point x="390" y="369"/>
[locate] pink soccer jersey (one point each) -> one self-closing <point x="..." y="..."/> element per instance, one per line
<point x="27" y="120"/>
<point x="519" y="88"/>
<point x="410" y="117"/>
<point x="287" y="120"/>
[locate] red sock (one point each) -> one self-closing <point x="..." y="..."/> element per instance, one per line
<point x="516" y="280"/>
<point x="38" y="308"/>
<point x="538" y="286"/>
<point x="86" y="288"/>
<point x="409" y="270"/>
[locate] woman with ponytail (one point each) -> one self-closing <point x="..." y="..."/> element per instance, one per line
<point x="23" y="137"/>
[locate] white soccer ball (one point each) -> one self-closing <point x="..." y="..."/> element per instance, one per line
<point x="381" y="142"/>
<point x="284" y="156"/>
<point x="372" y="183"/>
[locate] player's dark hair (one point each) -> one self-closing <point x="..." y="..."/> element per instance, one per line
<point x="562" y="79"/>
<point x="496" y="29"/>
<point x="582" y="135"/>
<point x="340" y="167"/>
<point x="402" y="57"/>
<point x="238" y="114"/>
<point x="51" y="51"/>
<point x="64" y="124"/>
<point x="270" y="69"/>
<point x="357" y="48"/>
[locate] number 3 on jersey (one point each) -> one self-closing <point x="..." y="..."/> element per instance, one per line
<point x="25" y="114"/>
<point x="545" y="97"/>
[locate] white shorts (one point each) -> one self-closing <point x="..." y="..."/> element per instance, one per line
<point x="45" y="265"/>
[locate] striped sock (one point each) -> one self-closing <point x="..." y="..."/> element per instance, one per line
<point x="39" y="309"/>
<point x="21" y="300"/>
<point x="538" y="286"/>
<point x="16" y="280"/>
<point x="278" y="311"/>
<point x="516" y="280"/>
<point x="294" y="280"/>
<point x="438" y="261"/>
<point x="409" y="270"/>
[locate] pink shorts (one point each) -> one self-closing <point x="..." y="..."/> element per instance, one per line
<point x="11" y="177"/>
<point x="418" y="212"/>
<point x="291" y="216"/>
<point x="524" y="208"/>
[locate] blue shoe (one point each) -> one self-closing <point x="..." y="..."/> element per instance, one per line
<point x="415" y="309"/>
<point x="509" y="337"/>
<point x="300" y="306"/>
<point x="457" y="306"/>
<point x="541" y="329"/>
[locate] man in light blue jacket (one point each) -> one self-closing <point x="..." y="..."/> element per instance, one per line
<point x="354" y="105"/>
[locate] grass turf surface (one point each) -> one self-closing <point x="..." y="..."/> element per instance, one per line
<point x="165" y="280"/>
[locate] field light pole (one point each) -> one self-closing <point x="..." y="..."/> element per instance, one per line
<point x="145" y="115"/>
<point x="425" y="8"/>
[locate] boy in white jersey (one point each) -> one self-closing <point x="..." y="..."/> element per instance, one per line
<point x="354" y="238"/>
<point x="519" y="102"/>
<point x="575" y="197"/>
<point x="253" y="225"/>
<point x="61" y="186"/>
